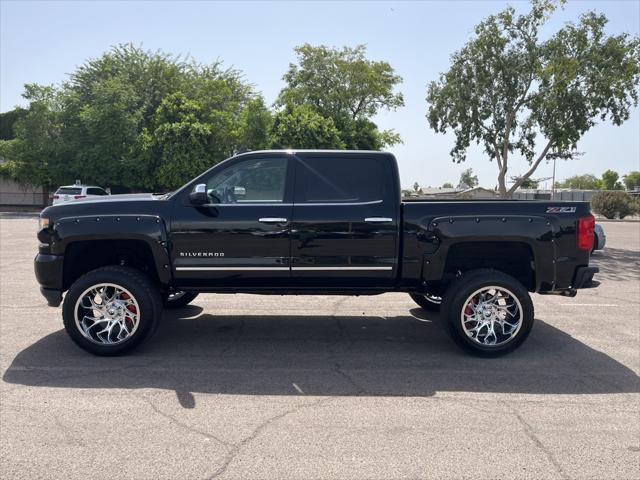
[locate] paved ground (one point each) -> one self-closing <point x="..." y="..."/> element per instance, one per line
<point x="338" y="388"/>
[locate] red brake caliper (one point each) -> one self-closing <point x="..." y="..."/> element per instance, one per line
<point x="131" y="308"/>
<point x="467" y="309"/>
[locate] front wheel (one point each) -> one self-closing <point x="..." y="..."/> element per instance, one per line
<point x="110" y="310"/>
<point x="488" y="313"/>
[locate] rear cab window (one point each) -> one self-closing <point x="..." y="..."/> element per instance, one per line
<point x="69" y="191"/>
<point x="96" y="191"/>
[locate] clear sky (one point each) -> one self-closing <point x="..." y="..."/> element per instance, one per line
<point x="42" y="42"/>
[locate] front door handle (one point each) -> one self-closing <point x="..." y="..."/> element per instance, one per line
<point x="272" y="220"/>
<point x="378" y="219"/>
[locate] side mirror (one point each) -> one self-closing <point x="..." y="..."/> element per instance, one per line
<point x="199" y="195"/>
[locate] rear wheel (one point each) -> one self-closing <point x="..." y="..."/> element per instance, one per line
<point x="109" y="311"/>
<point x="427" y="301"/>
<point x="178" y="299"/>
<point x="488" y="313"/>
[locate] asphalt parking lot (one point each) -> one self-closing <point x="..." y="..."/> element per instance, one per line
<point x="264" y="387"/>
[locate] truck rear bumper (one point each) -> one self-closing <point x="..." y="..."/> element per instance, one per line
<point x="584" y="277"/>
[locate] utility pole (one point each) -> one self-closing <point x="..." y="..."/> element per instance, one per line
<point x="553" y="180"/>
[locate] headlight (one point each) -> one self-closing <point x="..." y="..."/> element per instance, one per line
<point x="43" y="223"/>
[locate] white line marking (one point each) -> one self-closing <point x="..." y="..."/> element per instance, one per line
<point x="298" y="388"/>
<point x="588" y="305"/>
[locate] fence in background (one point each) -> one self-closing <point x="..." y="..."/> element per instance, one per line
<point x="569" y="195"/>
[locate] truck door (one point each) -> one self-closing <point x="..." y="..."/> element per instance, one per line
<point x="345" y="221"/>
<point x="241" y="237"/>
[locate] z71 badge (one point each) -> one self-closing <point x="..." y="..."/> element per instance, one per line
<point x="561" y="209"/>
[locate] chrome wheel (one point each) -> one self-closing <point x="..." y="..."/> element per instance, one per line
<point x="491" y="316"/>
<point x="107" y="314"/>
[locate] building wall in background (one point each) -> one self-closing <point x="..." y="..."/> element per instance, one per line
<point x="13" y="193"/>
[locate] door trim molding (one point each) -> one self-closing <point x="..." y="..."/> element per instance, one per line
<point x="299" y="269"/>
<point x="232" y="269"/>
<point x="310" y="269"/>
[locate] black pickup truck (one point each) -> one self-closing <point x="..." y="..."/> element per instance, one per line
<point x="308" y="222"/>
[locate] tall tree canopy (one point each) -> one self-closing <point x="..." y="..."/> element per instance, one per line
<point x="346" y="87"/>
<point x="581" y="182"/>
<point x="468" y="179"/>
<point x="610" y="181"/>
<point x="138" y="120"/>
<point x="512" y="92"/>
<point x="631" y="180"/>
<point x="302" y="127"/>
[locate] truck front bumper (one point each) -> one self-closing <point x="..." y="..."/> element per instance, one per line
<point x="49" y="271"/>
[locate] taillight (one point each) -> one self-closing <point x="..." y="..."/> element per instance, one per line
<point x="79" y="196"/>
<point x="586" y="225"/>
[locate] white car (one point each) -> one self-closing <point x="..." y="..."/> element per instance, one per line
<point x="70" y="193"/>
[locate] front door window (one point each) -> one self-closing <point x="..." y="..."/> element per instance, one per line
<point x="260" y="180"/>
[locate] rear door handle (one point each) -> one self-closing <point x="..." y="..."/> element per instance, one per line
<point x="378" y="219"/>
<point x="272" y="220"/>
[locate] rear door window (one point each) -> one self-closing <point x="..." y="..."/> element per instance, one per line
<point x="342" y="179"/>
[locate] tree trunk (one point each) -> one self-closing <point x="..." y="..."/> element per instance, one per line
<point x="502" y="187"/>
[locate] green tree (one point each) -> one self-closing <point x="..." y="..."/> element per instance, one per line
<point x="468" y="179"/>
<point x="137" y="120"/>
<point x="37" y="153"/>
<point x="346" y="87"/>
<point x="255" y="125"/>
<point x="610" y="181"/>
<point x="631" y="180"/>
<point x="447" y="185"/>
<point x="302" y="127"/>
<point x="514" y="93"/>
<point x="581" y="182"/>
<point x="8" y="121"/>
<point x="530" y="183"/>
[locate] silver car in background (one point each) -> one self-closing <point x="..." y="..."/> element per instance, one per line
<point x="70" y="193"/>
<point x="599" y="238"/>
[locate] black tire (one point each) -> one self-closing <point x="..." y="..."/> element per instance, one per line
<point x="427" y="302"/>
<point x="455" y="302"/>
<point x="181" y="299"/>
<point x="144" y="293"/>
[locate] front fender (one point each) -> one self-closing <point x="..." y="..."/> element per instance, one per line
<point x="149" y="229"/>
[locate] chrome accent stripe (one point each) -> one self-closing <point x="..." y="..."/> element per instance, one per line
<point x="346" y="204"/>
<point x="378" y="219"/>
<point x="199" y="269"/>
<point x="340" y="268"/>
<point x="280" y="204"/>
<point x="231" y="269"/>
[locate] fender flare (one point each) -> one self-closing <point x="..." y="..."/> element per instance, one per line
<point x="539" y="233"/>
<point x="149" y="229"/>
